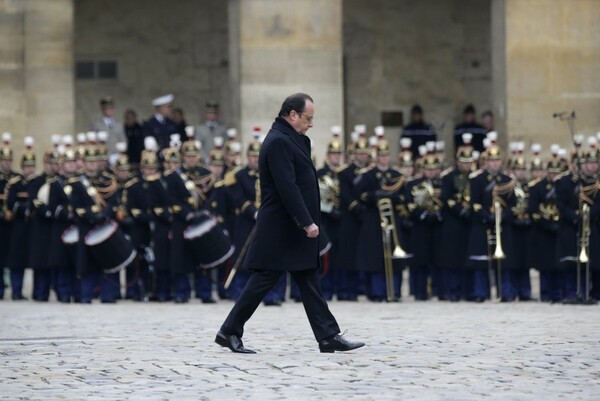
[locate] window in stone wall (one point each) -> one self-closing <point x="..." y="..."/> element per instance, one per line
<point x="96" y="70"/>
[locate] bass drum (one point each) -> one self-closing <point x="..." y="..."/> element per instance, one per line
<point x="109" y="247"/>
<point x="209" y="243"/>
<point x="70" y="238"/>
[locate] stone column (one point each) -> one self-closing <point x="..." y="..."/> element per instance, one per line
<point x="36" y="70"/>
<point x="546" y="58"/>
<point x="283" y="47"/>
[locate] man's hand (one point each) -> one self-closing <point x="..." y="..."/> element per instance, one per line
<point x="312" y="231"/>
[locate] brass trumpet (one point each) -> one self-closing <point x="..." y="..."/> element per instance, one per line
<point x="584" y="236"/>
<point x="498" y="251"/>
<point x="389" y="234"/>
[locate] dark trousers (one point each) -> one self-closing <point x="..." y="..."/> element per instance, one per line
<point x="457" y="283"/>
<point x="16" y="281"/>
<point x="321" y="320"/>
<point x="348" y="285"/>
<point x="552" y="285"/>
<point x="42" y="278"/>
<point x="377" y="289"/>
<point x="181" y="286"/>
<point x="479" y="284"/>
<point x="203" y="284"/>
<point x="163" y="285"/>
<point x="66" y="283"/>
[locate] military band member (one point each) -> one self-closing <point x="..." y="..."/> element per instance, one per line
<point x="425" y="208"/>
<point x="184" y="202"/>
<point x="331" y="213"/>
<point x="6" y="174"/>
<point x="456" y="196"/>
<point x="544" y="232"/>
<point x="18" y="210"/>
<point x="67" y="285"/>
<point x="488" y="187"/>
<point x="352" y="210"/>
<point x="380" y="181"/>
<point x="40" y="226"/>
<point x="161" y="217"/>
<point x="91" y="195"/>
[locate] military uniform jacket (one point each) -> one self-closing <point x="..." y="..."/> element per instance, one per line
<point x="5" y="224"/>
<point x="183" y="200"/>
<point x="331" y="222"/>
<point x="41" y="221"/>
<point x="456" y="212"/>
<point x="160" y="131"/>
<point x="426" y="236"/>
<point x="544" y="230"/>
<point x="289" y="202"/>
<point x="567" y="200"/>
<point x="482" y="201"/>
<point x="370" y="186"/>
<point x="18" y="207"/>
<point x="161" y="218"/>
<point x="351" y="212"/>
<point x="133" y="209"/>
<point x="243" y="187"/>
<point x="63" y="217"/>
<point x="518" y="255"/>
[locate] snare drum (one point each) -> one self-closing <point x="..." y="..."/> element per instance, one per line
<point x="109" y="247"/>
<point x="209" y="243"/>
<point x="70" y="238"/>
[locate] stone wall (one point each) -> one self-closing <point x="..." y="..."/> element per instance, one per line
<point x="36" y="71"/>
<point x="432" y="52"/>
<point x="551" y="63"/>
<point x="161" y="46"/>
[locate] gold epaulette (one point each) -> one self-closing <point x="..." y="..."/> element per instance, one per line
<point x="475" y="173"/>
<point x="341" y="168"/>
<point x="72" y="180"/>
<point x="219" y="184"/>
<point x="153" y="177"/>
<point x="108" y="174"/>
<point x="395" y="186"/>
<point x="365" y="169"/>
<point x="52" y="179"/>
<point x="15" y="179"/>
<point x="229" y="178"/>
<point x="131" y="182"/>
<point x="562" y="175"/>
<point x="446" y="172"/>
<point x="534" y="182"/>
<point x="396" y="169"/>
<point x="108" y="190"/>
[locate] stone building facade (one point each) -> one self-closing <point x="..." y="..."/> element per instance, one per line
<point x="522" y="59"/>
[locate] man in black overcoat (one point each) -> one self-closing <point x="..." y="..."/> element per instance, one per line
<point x="287" y="227"/>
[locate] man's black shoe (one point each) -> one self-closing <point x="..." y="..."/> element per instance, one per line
<point x="338" y="343"/>
<point x="233" y="342"/>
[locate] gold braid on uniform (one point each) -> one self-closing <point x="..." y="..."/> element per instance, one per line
<point x="504" y="189"/>
<point x="395" y="186"/>
<point x="587" y="193"/>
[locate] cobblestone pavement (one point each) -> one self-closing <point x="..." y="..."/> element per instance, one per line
<point x="415" y="351"/>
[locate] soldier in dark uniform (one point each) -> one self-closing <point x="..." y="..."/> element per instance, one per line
<point x="91" y="198"/>
<point x="18" y="210"/>
<point x="184" y="202"/>
<point x="517" y="283"/>
<point x="331" y="214"/>
<point x="425" y="208"/>
<point x="132" y="213"/>
<point x="570" y="186"/>
<point x="418" y="130"/>
<point x="161" y="218"/>
<point x="6" y="174"/>
<point x="456" y="196"/>
<point x="351" y="210"/>
<point x="380" y="181"/>
<point x="67" y="286"/>
<point x="160" y="126"/>
<point x="544" y="232"/>
<point x="469" y="125"/>
<point x="203" y="181"/>
<point x="488" y="187"/>
<point x="41" y="228"/>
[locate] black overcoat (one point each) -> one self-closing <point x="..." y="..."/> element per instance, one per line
<point x="289" y="202"/>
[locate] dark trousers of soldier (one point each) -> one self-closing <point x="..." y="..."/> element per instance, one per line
<point x="348" y="285"/>
<point x="552" y="283"/>
<point x="479" y="284"/>
<point x="203" y="284"/>
<point x="42" y="280"/>
<point x="377" y="286"/>
<point x="16" y="282"/>
<point x="516" y="284"/>
<point x="420" y="274"/>
<point x="456" y="283"/>
<point x="321" y="320"/>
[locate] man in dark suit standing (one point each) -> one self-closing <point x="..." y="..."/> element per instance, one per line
<point x="160" y="126"/>
<point x="287" y="227"/>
